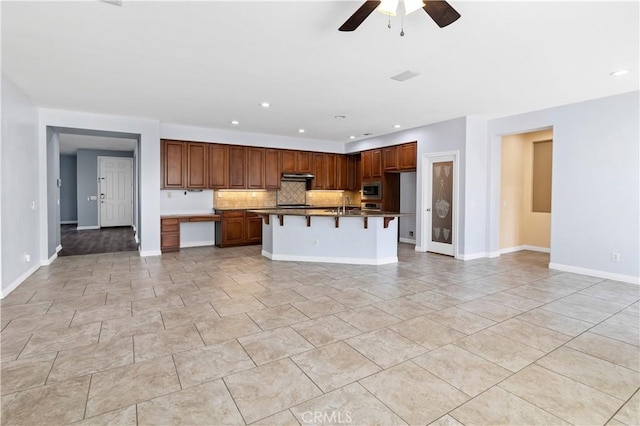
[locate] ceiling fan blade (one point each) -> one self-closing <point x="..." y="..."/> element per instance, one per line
<point x="359" y="16"/>
<point x="441" y="12"/>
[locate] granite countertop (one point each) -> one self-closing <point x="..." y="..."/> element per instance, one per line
<point x="330" y="212"/>
<point x="212" y="215"/>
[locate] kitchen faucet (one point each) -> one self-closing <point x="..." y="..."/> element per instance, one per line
<point x="345" y="202"/>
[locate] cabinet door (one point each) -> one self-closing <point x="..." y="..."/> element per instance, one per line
<point x="331" y="170"/>
<point x="366" y="165"/>
<point x="304" y="162"/>
<point x="255" y="168"/>
<point x="237" y="167"/>
<point x="288" y="161"/>
<point x="376" y="163"/>
<point x="218" y="166"/>
<point x="408" y="156"/>
<point x="169" y="235"/>
<point x="174" y="164"/>
<point x="318" y="171"/>
<point x="233" y="224"/>
<point x="253" y="229"/>
<point x="197" y="165"/>
<point x="354" y="172"/>
<point x="342" y="172"/>
<point x="272" y="168"/>
<point x="390" y="159"/>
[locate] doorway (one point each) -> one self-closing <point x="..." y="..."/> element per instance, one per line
<point x="439" y="232"/>
<point x="525" y="191"/>
<point x="115" y="188"/>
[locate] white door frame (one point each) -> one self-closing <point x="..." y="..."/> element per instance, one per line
<point x="425" y="228"/>
<point x="99" y="183"/>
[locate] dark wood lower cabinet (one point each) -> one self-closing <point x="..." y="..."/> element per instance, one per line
<point x="238" y="228"/>
<point x="169" y="235"/>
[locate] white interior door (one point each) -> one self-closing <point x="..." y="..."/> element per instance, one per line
<point x="116" y="191"/>
<point x="440" y="204"/>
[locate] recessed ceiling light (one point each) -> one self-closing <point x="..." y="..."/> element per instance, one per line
<point x="300" y="130"/>
<point x="265" y="104"/>
<point x="352" y="137"/>
<point x="340" y="117"/>
<point x="396" y="126"/>
<point x="235" y="122"/>
<point x="619" y="73"/>
<point x="367" y="134"/>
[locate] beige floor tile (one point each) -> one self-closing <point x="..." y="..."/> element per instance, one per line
<point x="403" y="308"/>
<point x="602" y="291"/>
<point x="367" y="318"/>
<point x="279" y="316"/>
<point x="231" y="327"/>
<point x="209" y="403"/>
<point x="624" y="333"/>
<point x="315" y="291"/>
<point x="462" y="369"/>
<point x="279" y="297"/>
<point x="137" y="324"/>
<point x="490" y="310"/>
<point x="386" y="347"/>
<point x="237" y="305"/>
<point x="427" y="333"/>
<point x="610" y="350"/>
<point x="91" y="359"/>
<point x="351" y="404"/>
<point x="532" y="335"/>
<point x="283" y="418"/>
<point x="123" y="386"/>
<point x="166" y="342"/>
<point x="123" y="296"/>
<point x="60" y="339"/>
<point x="599" y="374"/>
<point x="189" y="315"/>
<point x="334" y="365"/>
<point x="433" y="300"/>
<point x="499" y="407"/>
<point x="205" y="364"/>
<point x="500" y="350"/>
<point x="25" y="373"/>
<point x="355" y="298"/>
<point x="416" y="395"/>
<point x="513" y="301"/>
<point x="629" y="414"/>
<point x="26" y="310"/>
<point x="460" y="320"/>
<point x="122" y="417"/>
<point x="28" y="325"/>
<point x="274" y="344"/>
<point x="83" y="302"/>
<point x="446" y="420"/>
<point x="319" y="307"/>
<point x="608" y="306"/>
<point x="577" y="311"/>
<point x="563" y="397"/>
<point x="156" y="304"/>
<point x="101" y="313"/>
<point x="11" y="346"/>
<point x="269" y="389"/>
<point x="387" y="291"/>
<point x="325" y="330"/>
<point x="58" y="403"/>
<point x="556" y="322"/>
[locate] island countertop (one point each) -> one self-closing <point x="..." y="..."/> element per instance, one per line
<point x="329" y="212"/>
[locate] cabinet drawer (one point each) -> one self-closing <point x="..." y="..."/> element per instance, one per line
<point x="170" y="225"/>
<point x="169" y="241"/>
<point x="232" y="213"/>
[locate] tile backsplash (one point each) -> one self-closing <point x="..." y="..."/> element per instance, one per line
<point x="286" y="195"/>
<point x="241" y="199"/>
<point x="292" y="193"/>
<point x="332" y="198"/>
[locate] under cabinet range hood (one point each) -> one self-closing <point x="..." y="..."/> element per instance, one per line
<point x="306" y="178"/>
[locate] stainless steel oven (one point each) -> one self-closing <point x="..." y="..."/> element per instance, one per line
<point x="371" y="206"/>
<point x="371" y="190"/>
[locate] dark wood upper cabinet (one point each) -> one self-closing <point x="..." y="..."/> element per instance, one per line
<point x="237" y="167"/>
<point x="304" y="162"/>
<point x="174" y="164"/>
<point x="376" y="163"/>
<point x="366" y="164"/>
<point x="390" y="159"/>
<point x="218" y="166"/>
<point x="318" y="171"/>
<point x="197" y="154"/>
<point x="331" y="170"/>
<point x="288" y="161"/>
<point x="407" y="156"/>
<point x="354" y="172"/>
<point x="342" y="172"/>
<point x="255" y="168"/>
<point x="272" y="158"/>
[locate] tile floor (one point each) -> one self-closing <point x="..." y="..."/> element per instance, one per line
<point x="212" y="336"/>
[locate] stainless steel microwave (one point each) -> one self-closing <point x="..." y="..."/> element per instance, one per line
<point x="371" y="191"/>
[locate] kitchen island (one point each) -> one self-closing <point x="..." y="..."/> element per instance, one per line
<point x="314" y="235"/>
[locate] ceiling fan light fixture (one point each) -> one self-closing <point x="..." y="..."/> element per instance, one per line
<point x="411" y="6"/>
<point x="388" y="7"/>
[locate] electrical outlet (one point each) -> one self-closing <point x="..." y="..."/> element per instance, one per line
<point x="27" y="257"/>
<point x="33" y="205"/>
<point x="219" y="194"/>
<point x="169" y="194"/>
<point x="253" y="195"/>
<point x="316" y="242"/>
<point x="615" y="257"/>
<point x="411" y="233"/>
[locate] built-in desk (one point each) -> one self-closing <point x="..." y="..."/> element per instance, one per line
<point x="170" y="228"/>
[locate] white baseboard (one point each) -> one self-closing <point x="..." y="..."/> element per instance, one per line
<point x="68" y="222"/>
<point x="472" y="256"/>
<point x="198" y="243"/>
<point x="595" y="273"/>
<point x="525" y="247"/>
<point x="58" y="248"/>
<point x="407" y="240"/>
<point x="50" y="260"/>
<point x="150" y="253"/>
<point x="85" y="228"/>
<point x="347" y="260"/>
<point x="15" y="283"/>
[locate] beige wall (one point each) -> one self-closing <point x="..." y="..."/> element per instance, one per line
<point x="519" y="226"/>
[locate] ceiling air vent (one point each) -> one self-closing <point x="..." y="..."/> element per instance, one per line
<point x="404" y="76"/>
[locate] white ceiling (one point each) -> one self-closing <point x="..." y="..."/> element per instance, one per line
<point x="209" y="62"/>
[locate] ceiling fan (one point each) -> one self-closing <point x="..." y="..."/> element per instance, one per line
<point x="440" y="11"/>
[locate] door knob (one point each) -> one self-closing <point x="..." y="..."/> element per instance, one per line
<point x="428" y="210"/>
